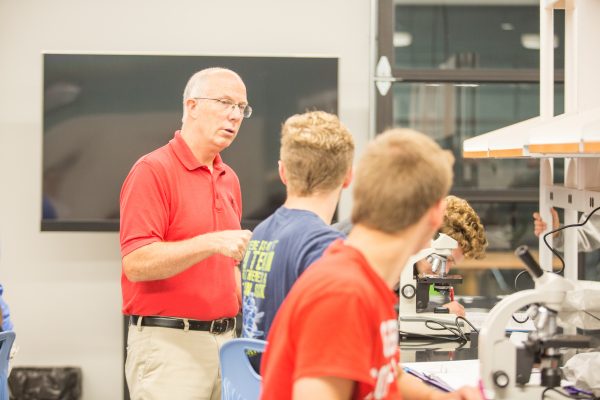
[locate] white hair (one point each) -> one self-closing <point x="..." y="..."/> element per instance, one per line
<point x="197" y="82"/>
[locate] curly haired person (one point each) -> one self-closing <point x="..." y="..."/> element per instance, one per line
<point x="462" y="224"/>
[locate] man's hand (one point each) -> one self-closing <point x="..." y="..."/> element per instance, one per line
<point x="464" y="393"/>
<point x="455" y="308"/>
<point x="231" y="243"/>
<point x="539" y="225"/>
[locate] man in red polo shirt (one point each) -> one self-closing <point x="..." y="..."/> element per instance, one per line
<point x="181" y="240"/>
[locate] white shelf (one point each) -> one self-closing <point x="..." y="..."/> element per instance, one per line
<point x="566" y="135"/>
<point x="571" y="134"/>
<point x="508" y="142"/>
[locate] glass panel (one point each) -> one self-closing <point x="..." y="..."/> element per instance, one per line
<point x="504" y="192"/>
<point x="507" y="226"/>
<point x="451" y="113"/>
<point x="450" y="36"/>
<point x="489" y="36"/>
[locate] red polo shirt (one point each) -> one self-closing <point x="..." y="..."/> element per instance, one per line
<point x="169" y="196"/>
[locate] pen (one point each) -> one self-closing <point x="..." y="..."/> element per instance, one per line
<point x="481" y="390"/>
<point x="451" y="293"/>
<point x="572" y="390"/>
<point x="429" y="379"/>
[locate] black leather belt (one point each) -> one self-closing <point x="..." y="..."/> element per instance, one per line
<point x="216" y="326"/>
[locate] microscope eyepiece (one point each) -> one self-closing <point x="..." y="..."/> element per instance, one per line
<point x="534" y="268"/>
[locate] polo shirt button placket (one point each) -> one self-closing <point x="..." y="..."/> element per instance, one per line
<point x="216" y="197"/>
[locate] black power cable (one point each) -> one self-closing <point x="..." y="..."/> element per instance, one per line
<point x="556" y="253"/>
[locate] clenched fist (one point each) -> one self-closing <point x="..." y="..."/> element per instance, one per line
<point x="231" y="243"/>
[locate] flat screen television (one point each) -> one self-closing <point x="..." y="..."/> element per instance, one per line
<point x="101" y="112"/>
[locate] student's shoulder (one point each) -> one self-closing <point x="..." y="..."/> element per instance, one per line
<point x="319" y="239"/>
<point x="338" y="263"/>
<point x="323" y="284"/>
<point x="321" y="230"/>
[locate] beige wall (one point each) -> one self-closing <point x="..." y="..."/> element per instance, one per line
<point x="63" y="288"/>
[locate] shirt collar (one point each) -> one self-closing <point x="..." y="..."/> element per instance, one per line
<point x="187" y="158"/>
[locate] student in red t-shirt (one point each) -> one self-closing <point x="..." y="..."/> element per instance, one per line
<point x="336" y="334"/>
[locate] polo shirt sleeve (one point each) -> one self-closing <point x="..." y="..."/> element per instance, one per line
<point x="144" y="208"/>
<point x="333" y="339"/>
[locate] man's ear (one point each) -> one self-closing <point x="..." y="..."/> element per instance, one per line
<point x="348" y="178"/>
<point x="191" y="106"/>
<point x="282" y="172"/>
<point x="436" y="214"/>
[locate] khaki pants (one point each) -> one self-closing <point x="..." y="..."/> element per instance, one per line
<point x="166" y="363"/>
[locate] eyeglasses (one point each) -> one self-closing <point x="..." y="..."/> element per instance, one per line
<point x="229" y="105"/>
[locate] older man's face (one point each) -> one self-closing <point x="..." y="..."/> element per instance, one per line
<point x="217" y="121"/>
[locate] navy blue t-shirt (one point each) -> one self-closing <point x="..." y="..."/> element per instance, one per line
<point x="281" y="248"/>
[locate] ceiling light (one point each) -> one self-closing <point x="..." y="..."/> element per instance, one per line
<point x="402" y="39"/>
<point x="531" y="41"/>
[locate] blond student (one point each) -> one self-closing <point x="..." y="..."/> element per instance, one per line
<point x="315" y="165"/>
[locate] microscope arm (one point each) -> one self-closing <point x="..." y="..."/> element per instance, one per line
<point x="497" y="353"/>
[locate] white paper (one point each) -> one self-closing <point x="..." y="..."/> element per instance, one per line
<point x="455" y="374"/>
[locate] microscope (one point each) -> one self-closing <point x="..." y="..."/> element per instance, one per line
<point x="506" y="366"/>
<point x="416" y="317"/>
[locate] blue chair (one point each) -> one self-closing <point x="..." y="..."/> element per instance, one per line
<point x="6" y="341"/>
<point x="239" y="381"/>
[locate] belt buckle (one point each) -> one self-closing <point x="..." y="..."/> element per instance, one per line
<point x="219" y="328"/>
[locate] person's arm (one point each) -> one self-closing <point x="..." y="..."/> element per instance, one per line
<point x="588" y="235"/>
<point x="161" y="260"/>
<point x="455" y="308"/>
<point x="413" y="388"/>
<point x="325" y="388"/>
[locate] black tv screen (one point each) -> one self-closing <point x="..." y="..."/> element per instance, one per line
<point x="102" y="112"/>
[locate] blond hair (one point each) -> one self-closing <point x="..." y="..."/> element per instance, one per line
<point x="400" y="176"/>
<point x="316" y="151"/>
<point x="462" y="224"/>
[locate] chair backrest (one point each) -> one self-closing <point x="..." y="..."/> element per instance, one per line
<point x="6" y="341"/>
<point x="239" y="381"/>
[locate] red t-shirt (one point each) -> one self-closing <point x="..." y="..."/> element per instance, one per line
<point x="337" y="321"/>
<point x="169" y="196"/>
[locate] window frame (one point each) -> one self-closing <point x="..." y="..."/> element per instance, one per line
<point x="383" y="113"/>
